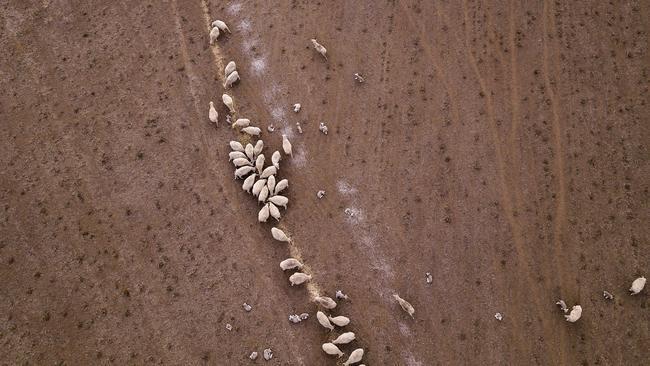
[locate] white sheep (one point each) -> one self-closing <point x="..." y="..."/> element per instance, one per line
<point x="257" y="187"/>
<point x="253" y="131"/>
<point x="231" y="79"/>
<point x="575" y="314"/>
<point x="248" y="182"/>
<point x="269" y="171"/>
<point x="227" y="100"/>
<point x="259" y="162"/>
<point x="275" y="159"/>
<point x="274" y="211"/>
<point x="299" y="278"/>
<point x="264" y="194"/>
<point x="296" y="107"/>
<point x="331" y="349"/>
<point x="242" y="162"/>
<point x="243" y="171"/>
<point x="340" y="320"/>
<point x="406" y="306"/>
<point x="259" y="146"/>
<point x="280" y="186"/>
<point x="280" y="201"/>
<point x="213" y="115"/>
<point x="286" y="145"/>
<point x="263" y="215"/>
<point x="232" y="66"/>
<point x="214" y="34"/>
<point x="290" y="263"/>
<point x="324" y="321"/>
<point x="236" y="154"/>
<point x="279" y="235"/>
<point x="271" y="184"/>
<point x="344" y="338"/>
<point x="241" y="122"/>
<point x="355" y="357"/>
<point x="637" y="285"/>
<point x="325" y="302"/>
<point x="221" y="25"/>
<point x="250" y="151"/>
<point x="237" y="146"/>
<point x="319" y="48"/>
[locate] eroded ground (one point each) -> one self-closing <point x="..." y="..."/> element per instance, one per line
<point x="501" y="146"/>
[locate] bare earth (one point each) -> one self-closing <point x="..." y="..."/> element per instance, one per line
<point x="501" y="146"/>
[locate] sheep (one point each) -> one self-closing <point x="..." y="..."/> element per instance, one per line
<point x="280" y="201"/>
<point x="286" y="145"/>
<point x="299" y="278"/>
<point x="405" y="305"/>
<point x="344" y="338"/>
<point x="274" y="211"/>
<point x="221" y="25"/>
<point x="290" y="263"/>
<point x="275" y="159"/>
<point x="340" y="321"/>
<point x="237" y="146"/>
<point x="214" y="34"/>
<point x="269" y="171"/>
<point x="325" y="302"/>
<point x="236" y="154"/>
<point x="263" y="215"/>
<point x="259" y="146"/>
<point x="324" y="321"/>
<point x="280" y="186"/>
<point x="227" y="100"/>
<point x="355" y="357"/>
<point x="232" y="66"/>
<point x="253" y="131"/>
<point x="319" y="48"/>
<point x="213" y="115"/>
<point x="257" y="187"/>
<point x="575" y="314"/>
<point x="259" y="162"/>
<point x="331" y="349"/>
<point x="241" y="162"/>
<point x="248" y="183"/>
<point x="241" y="122"/>
<point x="637" y="285"/>
<point x="250" y="151"/>
<point x="279" y="235"/>
<point x="264" y="194"/>
<point x="296" y="107"/>
<point x="243" y="171"/>
<point x="231" y="79"/>
<point x="271" y="184"/>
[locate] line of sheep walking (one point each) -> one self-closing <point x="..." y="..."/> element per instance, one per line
<point x="261" y="181"/>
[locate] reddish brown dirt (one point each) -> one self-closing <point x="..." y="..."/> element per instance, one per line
<point x="501" y="146"/>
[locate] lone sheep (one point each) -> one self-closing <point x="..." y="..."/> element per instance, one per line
<point x="319" y="48"/>
<point x="331" y="349"/>
<point x="406" y="306"/>
<point x="299" y="278"/>
<point x="355" y="357"/>
<point x="213" y="115"/>
<point x="575" y="314"/>
<point x="286" y="145"/>
<point x="637" y="285"/>
<point x="279" y="235"/>
<point x="290" y="263"/>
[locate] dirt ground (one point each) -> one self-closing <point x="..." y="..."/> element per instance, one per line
<point x="501" y="146"/>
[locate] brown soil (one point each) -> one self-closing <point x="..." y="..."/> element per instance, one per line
<point x="501" y="146"/>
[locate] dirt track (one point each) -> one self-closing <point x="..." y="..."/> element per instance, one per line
<point x="501" y="146"/>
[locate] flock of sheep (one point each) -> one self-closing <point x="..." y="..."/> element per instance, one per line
<point x="259" y="179"/>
